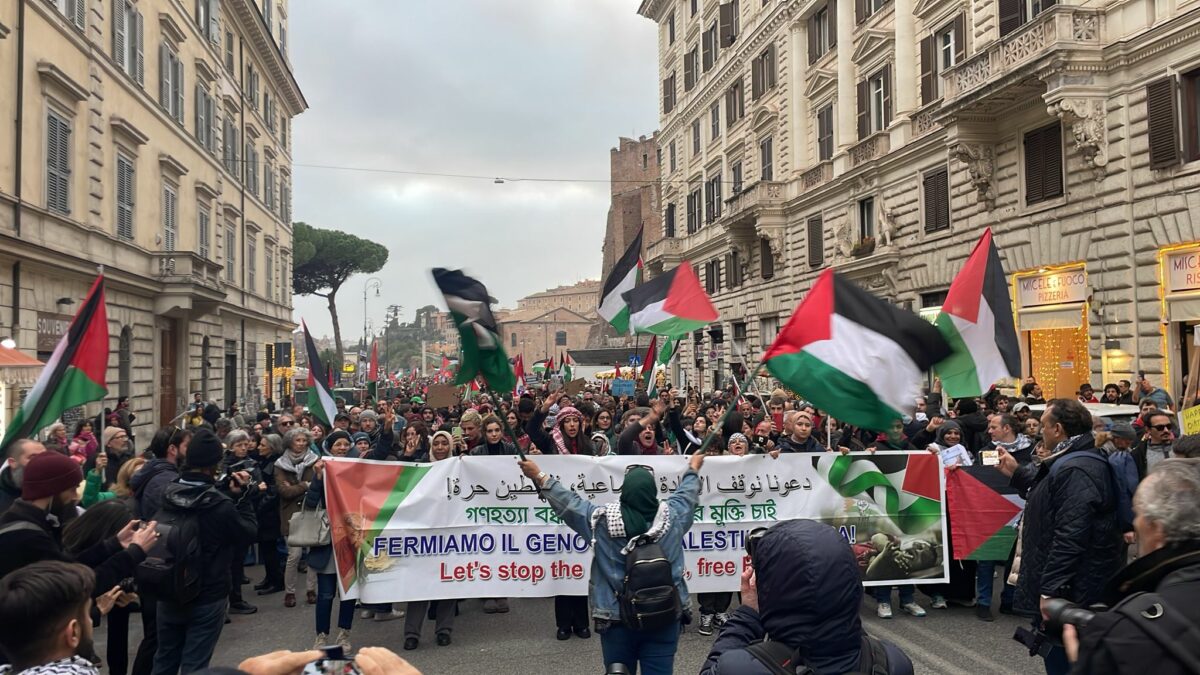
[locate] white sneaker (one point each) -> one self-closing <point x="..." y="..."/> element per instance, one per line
<point x="366" y="614"/>
<point x="884" y="610"/>
<point x="721" y="619"/>
<point x="321" y="641"/>
<point x="388" y="616"/>
<point x="939" y="601"/>
<point x="914" y="609"/>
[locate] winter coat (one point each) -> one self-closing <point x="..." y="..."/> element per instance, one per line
<point x="1140" y="451"/>
<point x="226" y="523"/>
<point x="789" y="444"/>
<point x="21" y="547"/>
<point x="486" y="449"/>
<point x="1071" y="538"/>
<point x="266" y="505"/>
<point x="809" y="597"/>
<point x="1114" y="643"/>
<point x="148" y="485"/>
<point x="291" y="487"/>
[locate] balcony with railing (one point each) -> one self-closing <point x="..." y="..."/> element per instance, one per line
<point x="191" y="284"/>
<point x="872" y="147"/>
<point x="817" y="176"/>
<point x="1011" y="67"/>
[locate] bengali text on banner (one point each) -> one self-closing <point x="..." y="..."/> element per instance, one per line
<point x="474" y="527"/>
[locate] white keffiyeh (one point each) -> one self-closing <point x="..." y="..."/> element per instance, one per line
<point x="611" y="513"/>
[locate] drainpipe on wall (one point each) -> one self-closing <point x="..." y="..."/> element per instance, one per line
<point x="18" y="147"/>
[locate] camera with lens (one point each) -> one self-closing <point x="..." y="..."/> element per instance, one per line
<point x="1059" y="612"/>
<point x="128" y="585"/>
<point x="334" y="662"/>
<point x="247" y="465"/>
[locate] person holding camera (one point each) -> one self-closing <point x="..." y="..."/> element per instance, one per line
<point x="1071" y="534"/>
<point x="222" y="516"/>
<point x="802" y="589"/>
<point x="1154" y="623"/>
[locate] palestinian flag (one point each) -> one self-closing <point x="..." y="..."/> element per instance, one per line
<point x="672" y="304"/>
<point x="320" y="394"/>
<point x="373" y="371"/>
<point x="853" y="355"/>
<point x="648" y="362"/>
<point x="665" y="354"/>
<point x="479" y="335"/>
<point x="539" y="367"/>
<point x="905" y="487"/>
<point x="984" y="511"/>
<point x="977" y="321"/>
<point x="623" y="277"/>
<point x="74" y="375"/>
<point x="568" y="367"/>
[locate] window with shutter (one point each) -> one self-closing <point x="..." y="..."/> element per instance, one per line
<point x="1190" y="114"/>
<point x="164" y="77"/>
<point x="929" y="71"/>
<point x="864" y="109"/>
<point x="269" y="272"/>
<point x="735" y="170"/>
<point x="831" y="23"/>
<point x="58" y="163"/>
<point x="230" y="246"/>
<point x="689" y="69"/>
<point x="756" y="78"/>
<point x="125" y="197"/>
<point x="202" y="231"/>
<point x="714" y="114"/>
<point x="1162" y="120"/>
<point x="669" y="94"/>
<point x="669" y="220"/>
<point x="766" y="258"/>
<point x="715" y="182"/>
<point x="769" y="73"/>
<point x="138" y="53"/>
<point x="170" y="215"/>
<point x="825" y="133"/>
<point x="819" y="30"/>
<point x="696" y="136"/>
<point x="120" y="17"/>
<point x="229" y="51"/>
<point x="178" y="90"/>
<point x="251" y="264"/>
<point x="672" y="157"/>
<point x="730" y="20"/>
<point x="886" y="104"/>
<point x="1012" y="15"/>
<point x="936" y="188"/>
<point x="709" y="47"/>
<point x="766" y="158"/>
<point x="816" y="241"/>
<point x="1043" y="164"/>
<point x="671" y="29"/>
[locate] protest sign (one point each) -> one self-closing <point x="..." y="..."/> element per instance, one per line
<point x="475" y="527"/>
<point x="622" y="387"/>
<point x="574" y="387"/>
<point x="442" y="396"/>
<point x="1190" y="418"/>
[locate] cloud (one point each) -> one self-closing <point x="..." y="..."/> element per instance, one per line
<point x="513" y="88"/>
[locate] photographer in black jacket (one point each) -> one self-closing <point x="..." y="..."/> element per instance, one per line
<point x="1157" y="596"/>
<point x="188" y="633"/>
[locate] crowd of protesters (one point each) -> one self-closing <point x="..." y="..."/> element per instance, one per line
<point x="89" y="505"/>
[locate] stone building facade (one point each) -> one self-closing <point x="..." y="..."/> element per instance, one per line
<point x="881" y="137"/>
<point x="580" y="298"/>
<point x="636" y="191"/>
<point x="154" y="140"/>
<point x="550" y="322"/>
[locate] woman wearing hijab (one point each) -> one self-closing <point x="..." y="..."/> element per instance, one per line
<point x="616" y="528"/>
<point x="293" y="475"/>
<point x="443" y="610"/>
<point x="567" y="437"/>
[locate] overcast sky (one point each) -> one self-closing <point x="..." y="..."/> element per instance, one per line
<point x="519" y="88"/>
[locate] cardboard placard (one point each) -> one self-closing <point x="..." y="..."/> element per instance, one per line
<point x="575" y="387"/>
<point x="443" y="396"/>
<point x="1190" y="418"/>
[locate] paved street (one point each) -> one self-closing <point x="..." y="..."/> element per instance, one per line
<point x="522" y="642"/>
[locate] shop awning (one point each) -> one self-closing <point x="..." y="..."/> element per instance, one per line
<point x="1183" y="308"/>
<point x="18" y="368"/>
<point x="1061" y="316"/>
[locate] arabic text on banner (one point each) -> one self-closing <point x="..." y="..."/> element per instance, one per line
<point x="475" y="527"/>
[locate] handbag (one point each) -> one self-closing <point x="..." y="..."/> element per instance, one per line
<point x="309" y="528"/>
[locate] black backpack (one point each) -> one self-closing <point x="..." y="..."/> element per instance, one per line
<point x="174" y="565"/>
<point x="648" y="597"/>
<point x="781" y="659"/>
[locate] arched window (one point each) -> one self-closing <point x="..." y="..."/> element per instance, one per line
<point x="124" y="361"/>
<point x="204" y="369"/>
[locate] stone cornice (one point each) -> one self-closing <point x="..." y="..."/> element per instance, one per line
<point x="54" y="75"/>
<point x="170" y="28"/>
<point x="171" y="165"/>
<point x="250" y="18"/>
<point x="124" y="127"/>
<point x="207" y="190"/>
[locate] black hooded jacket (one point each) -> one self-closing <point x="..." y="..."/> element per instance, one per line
<point x="9" y="490"/>
<point x="809" y="593"/>
<point x="224" y="525"/>
<point x="148" y="484"/>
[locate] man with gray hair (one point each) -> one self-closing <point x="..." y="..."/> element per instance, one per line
<point x="1186" y="447"/>
<point x="1156" y="599"/>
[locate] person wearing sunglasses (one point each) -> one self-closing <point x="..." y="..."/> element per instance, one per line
<point x="803" y="590"/>
<point x="1155" y="445"/>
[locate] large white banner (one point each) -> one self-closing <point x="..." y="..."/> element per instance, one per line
<point x="475" y="527"/>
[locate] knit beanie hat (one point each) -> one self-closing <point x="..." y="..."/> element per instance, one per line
<point x="360" y="436"/>
<point x="368" y="414"/>
<point x="204" y="450"/>
<point x="110" y="432"/>
<point x="336" y="435"/>
<point x="48" y="474"/>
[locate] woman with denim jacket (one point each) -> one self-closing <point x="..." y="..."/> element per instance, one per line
<point x="611" y="528"/>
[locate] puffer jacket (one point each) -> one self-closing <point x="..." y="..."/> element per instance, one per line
<point x="809" y="592"/>
<point x="1071" y="538"/>
<point x="1114" y="643"/>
